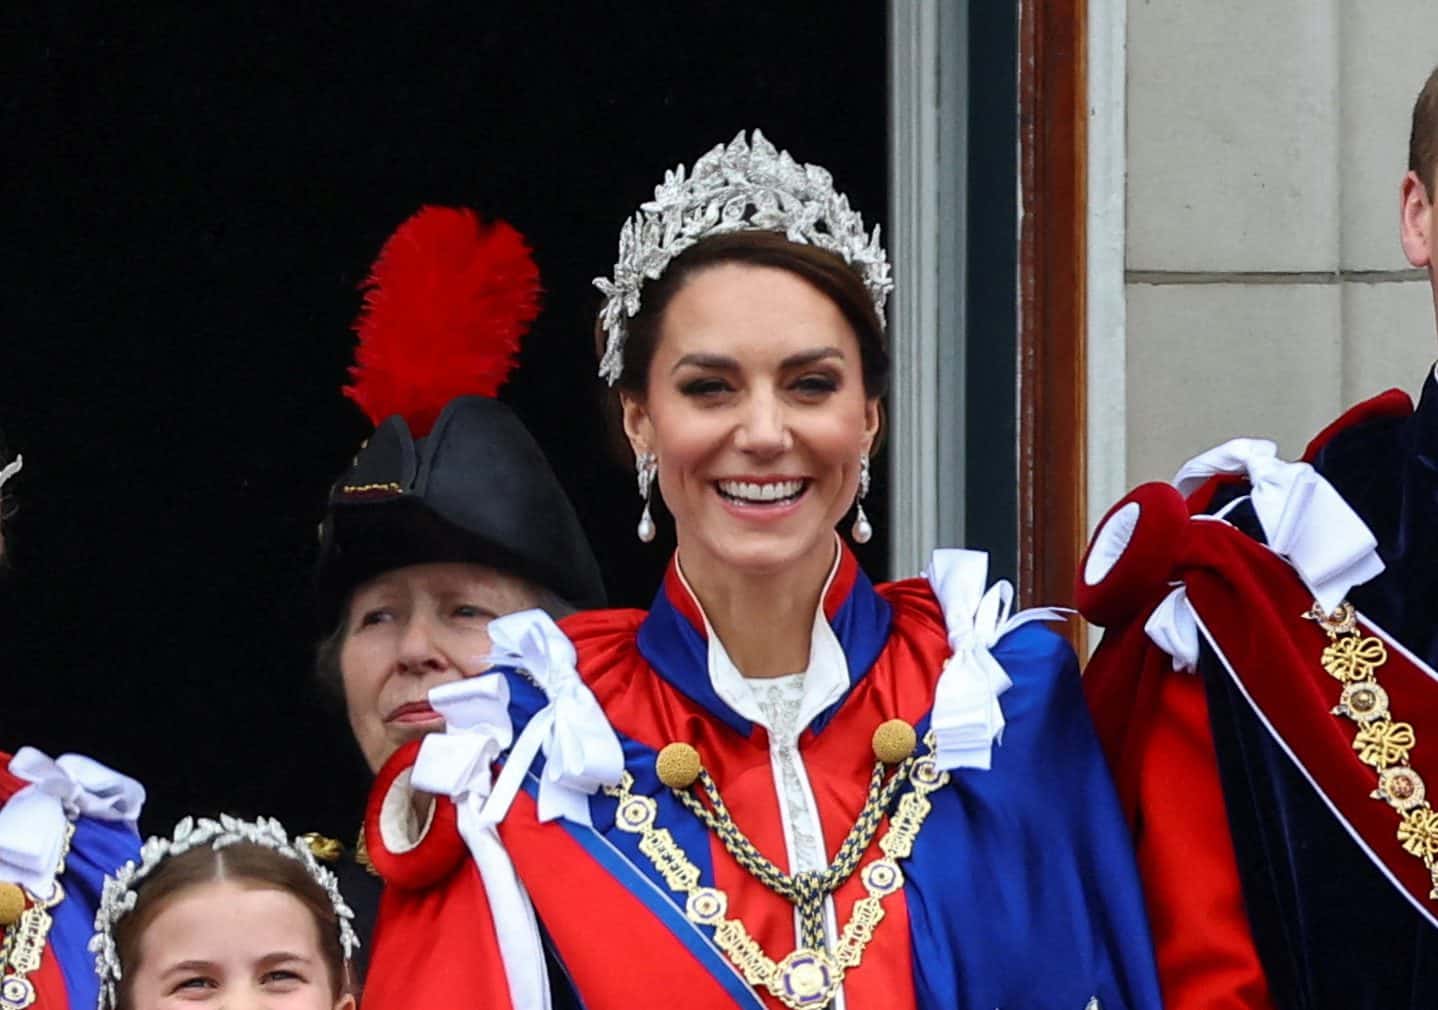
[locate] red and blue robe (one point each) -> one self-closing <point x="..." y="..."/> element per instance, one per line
<point x="1021" y="892"/>
<point x="66" y="978"/>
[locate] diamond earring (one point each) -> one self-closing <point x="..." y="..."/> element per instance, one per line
<point x="646" y="466"/>
<point x="863" y="530"/>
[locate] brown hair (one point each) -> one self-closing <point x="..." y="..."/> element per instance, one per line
<point x="1423" y="139"/>
<point x="825" y="270"/>
<point x="240" y="862"/>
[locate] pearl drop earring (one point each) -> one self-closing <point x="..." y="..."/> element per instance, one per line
<point x="863" y="530"/>
<point x="646" y="466"/>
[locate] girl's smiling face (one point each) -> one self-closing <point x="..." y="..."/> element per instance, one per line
<point x="232" y="944"/>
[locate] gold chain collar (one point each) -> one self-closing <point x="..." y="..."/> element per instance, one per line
<point x="24" y="943"/>
<point x="1383" y="743"/>
<point x="810" y="976"/>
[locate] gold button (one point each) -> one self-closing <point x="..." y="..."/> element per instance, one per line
<point x="893" y="741"/>
<point x="12" y="904"/>
<point x="678" y="765"/>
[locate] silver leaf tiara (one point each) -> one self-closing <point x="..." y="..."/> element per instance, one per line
<point x="742" y="187"/>
<point x="121" y="889"/>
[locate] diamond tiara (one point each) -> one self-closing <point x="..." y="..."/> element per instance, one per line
<point x="121" y="889"/>
<point x="746" y="186"/>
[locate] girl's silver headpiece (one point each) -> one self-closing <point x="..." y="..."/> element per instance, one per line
<point x="746" y="186"/>
<point x="121" y="889"/>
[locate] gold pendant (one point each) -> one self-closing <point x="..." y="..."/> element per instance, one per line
<point x="808" y="978"/>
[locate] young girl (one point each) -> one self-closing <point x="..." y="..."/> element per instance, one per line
<point x="227" y="913"/>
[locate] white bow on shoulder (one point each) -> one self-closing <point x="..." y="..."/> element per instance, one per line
<point x="967" y="719"/>
<point x="458" y="763"/>
<point x="34" y="823"/>
<point x="1303" y="517"/>
<point x="581" y="750"/>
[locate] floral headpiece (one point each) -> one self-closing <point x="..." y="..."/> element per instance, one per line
<point x="121" y="890"/>
<point x="742" y="187"/>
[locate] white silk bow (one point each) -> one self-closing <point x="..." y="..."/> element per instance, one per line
<point x="967" y="719"/>
<point x="581" y="750"/>
<point x="35" y="821"/>
<point x="1303" y="518"/>
<point x="582" y="753"/>
<point x="1173" y="628"/>
<point x="458" y="763"/>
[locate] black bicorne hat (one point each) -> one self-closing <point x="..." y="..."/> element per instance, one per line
<point x="448" y="476"/>
<point x="476" y="489"/>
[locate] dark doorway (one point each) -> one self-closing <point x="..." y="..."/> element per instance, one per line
<point x="191" y="196"/>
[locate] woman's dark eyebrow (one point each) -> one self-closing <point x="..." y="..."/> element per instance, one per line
<point x="716" y="361"/>
<point x="721" y="363"/>
<point x="810" y="357"/>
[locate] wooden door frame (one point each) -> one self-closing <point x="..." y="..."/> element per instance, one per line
<point x="1052" y="385"/>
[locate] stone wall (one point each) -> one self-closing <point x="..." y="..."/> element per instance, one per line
<point x="1265" y="289"/>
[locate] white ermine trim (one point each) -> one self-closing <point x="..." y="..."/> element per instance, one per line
<point x="1109" y="543"/>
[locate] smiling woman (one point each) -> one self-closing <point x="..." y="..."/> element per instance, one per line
<point x="757" y="413"/>
<point x="781" y="785"/>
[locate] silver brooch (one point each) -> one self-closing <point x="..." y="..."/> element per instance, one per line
<point x="746" y="186"/>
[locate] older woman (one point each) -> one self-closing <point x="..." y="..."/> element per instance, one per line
<point x="449" y="516"/>
<point x="781" y="786"/>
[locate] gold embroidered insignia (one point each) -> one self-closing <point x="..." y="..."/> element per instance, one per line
<point x="1381" y="742"/>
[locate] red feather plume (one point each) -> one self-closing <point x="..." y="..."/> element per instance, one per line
<point x="445" y="306"/>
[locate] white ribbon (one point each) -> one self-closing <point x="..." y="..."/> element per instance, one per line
<point x="581" y="750"/>
<point x="1303" y="518"/>
<point x="35" y="821"/>
<point x="581" y="753"/>
<point x="1173" y="628"/>
<point x="458" y="763"/>
<point x="967" y="719"/>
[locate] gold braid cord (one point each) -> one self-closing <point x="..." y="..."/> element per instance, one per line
<point x="24" y="943"/>
<point x="810" y="976"/>
<point x="1354" y="659"/>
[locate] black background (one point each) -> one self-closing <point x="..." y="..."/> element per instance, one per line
<point x="189" y="200"/>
